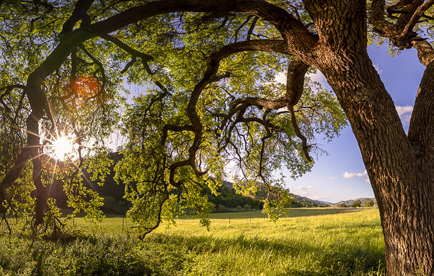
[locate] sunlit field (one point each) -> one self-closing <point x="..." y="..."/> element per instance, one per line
<point x="321" y="241"/>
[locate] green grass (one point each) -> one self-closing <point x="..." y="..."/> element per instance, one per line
<point x="321" y="241"/>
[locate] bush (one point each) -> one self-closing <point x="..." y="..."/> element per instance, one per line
<point x="368" y="203"/>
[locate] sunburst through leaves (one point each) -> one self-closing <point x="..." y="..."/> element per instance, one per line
<point x="62" y="148"/>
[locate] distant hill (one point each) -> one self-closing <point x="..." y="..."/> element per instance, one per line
<point x="227" y="200"/>
<point x="301" y="201"/>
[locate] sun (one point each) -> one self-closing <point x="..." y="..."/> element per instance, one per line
<point x="62" y="148"/>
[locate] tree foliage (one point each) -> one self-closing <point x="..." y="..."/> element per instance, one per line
<point x="208" y="98"/>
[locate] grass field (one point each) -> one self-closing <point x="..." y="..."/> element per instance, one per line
<point x="320" y="241"/>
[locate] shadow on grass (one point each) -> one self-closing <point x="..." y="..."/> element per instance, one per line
<point x="162" y="254"/>
<point x="339" y="259"/>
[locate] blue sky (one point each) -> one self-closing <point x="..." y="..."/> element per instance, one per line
<point x="341" y="175"/>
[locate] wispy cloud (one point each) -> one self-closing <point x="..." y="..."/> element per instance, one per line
<point x="352" y="175"/>
<point x="404" y="113"/>
<point x="308" y="191"/>
<point x="305" y="188"/>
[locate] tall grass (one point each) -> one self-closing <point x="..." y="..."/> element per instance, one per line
<point x="347" y="243"/>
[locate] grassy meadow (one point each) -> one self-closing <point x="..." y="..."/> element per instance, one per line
<point x="315" y="241"/>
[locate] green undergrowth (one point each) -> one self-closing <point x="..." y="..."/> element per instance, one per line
<point x="337" y="244"/>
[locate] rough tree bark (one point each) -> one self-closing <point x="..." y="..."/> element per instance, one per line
<point x="399" y="166"/>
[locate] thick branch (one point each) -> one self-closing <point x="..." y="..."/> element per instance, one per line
<point x="415" y="17"/>
<point x="176" y="128"/>
<point x="79" y="13"/>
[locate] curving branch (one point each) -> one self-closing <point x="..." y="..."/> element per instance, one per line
<point x="401" y="34"/>
<point x="134" y="53"/>
<point x="294" y="89"/>
<point x="209" y="76"/>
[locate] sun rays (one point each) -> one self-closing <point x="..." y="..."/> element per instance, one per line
<point x="62" y="148"/>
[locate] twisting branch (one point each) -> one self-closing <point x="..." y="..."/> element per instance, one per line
<point x="401" y="34"/>
<point x="294" y="89"/>
<point x="209" y="76"/>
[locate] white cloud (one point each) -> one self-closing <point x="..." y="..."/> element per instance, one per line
<point x="402" y="110"/>
<point x="308" y="191"/>
<point x="333" y="177"/>
<point x="404" y="113"/>
<point x="352" y="175"/>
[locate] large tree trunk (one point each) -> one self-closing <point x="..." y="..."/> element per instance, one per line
<point x="399" y="166"/>
<point x="400" y="174"/>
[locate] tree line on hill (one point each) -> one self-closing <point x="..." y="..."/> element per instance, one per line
<point x="226" y="200"/>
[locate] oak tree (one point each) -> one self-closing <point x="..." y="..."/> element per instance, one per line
<point x="208" y="68"/>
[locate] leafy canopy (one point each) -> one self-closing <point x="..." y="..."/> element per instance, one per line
<point x="207" y="104"/>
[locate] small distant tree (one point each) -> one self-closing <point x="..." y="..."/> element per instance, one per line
<point x="247" y="207"/>
<point x="368" y="203"/>
<point x="356" y="203"/>
<point x="343" y="205"/>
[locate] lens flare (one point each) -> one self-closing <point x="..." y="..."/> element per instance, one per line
<point x="85" y="86"/>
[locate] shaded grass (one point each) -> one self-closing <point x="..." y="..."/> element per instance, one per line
<point x="347" y="243"/>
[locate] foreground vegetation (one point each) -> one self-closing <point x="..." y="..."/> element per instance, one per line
<point x="311" y="242"/>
